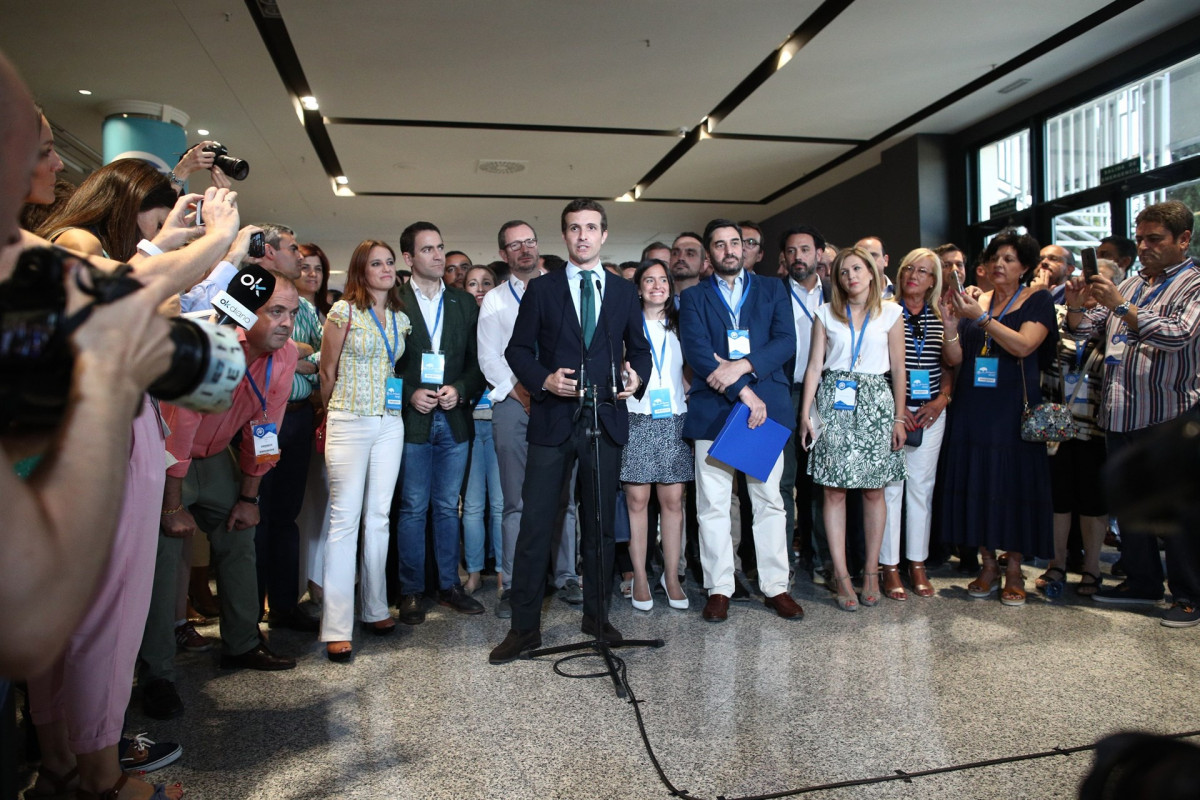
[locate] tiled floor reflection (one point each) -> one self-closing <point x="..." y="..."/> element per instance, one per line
<point x="752" y="706"/>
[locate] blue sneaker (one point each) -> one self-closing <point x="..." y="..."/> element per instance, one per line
<point x="1122" y="594"/>
<point x="1182" y="614"/>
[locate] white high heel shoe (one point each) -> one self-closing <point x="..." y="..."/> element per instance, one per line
<point x="680" y="605"/>
<point x="641" y="605"/>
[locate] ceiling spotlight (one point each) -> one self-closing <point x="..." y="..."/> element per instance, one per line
<point x="309" y="102"/>
<point x="344" y="191"/>
<point x="626" y="198"/>
<point x="85" y="91"/>
<point x="202" y="131"/>
<point x="342" y="180"/>
<point x="786" y="52"/>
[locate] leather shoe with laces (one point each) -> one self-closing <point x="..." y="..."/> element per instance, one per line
<point x="260" y="658"/>
<point x="716" y="609"/>
<point x="160" y="700"/>
<point x="515" y="643"/>
<point x="460" y="601"/>
<point x="783" y="605"/>
<point x="610" y="633"/>
<point x="411" y="609"/>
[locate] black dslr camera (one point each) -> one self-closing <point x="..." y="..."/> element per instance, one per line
<point x="235" y="168"/>
<point x="37" y="360"/>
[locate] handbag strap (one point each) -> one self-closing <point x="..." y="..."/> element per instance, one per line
<point x="1024" y="387"/>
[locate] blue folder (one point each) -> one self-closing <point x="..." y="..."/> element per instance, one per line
<point x="753" y="451"/>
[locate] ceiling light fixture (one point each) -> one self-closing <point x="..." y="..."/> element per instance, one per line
<point x="786" y="51"/>
<point x="626" y="198"/>
<point x="342" y="180"/>
<point x="202" y="131"/>
<point x="85" y="91"/>
<point x="1012" y="87"/>
<point x="309" y="102"/>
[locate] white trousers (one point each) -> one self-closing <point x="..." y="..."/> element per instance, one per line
<point x="714" y="485"/>
<point x="918" y="489"/>
<point x="362" y="455"/>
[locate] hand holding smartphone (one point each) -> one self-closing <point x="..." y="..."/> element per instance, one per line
<point x="1089" y="266"/>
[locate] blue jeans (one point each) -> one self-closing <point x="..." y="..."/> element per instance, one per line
<point x="433" y="476"/>
<point x="483" y="492"/>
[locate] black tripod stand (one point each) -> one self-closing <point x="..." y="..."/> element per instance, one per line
<point x="600" y="645"/>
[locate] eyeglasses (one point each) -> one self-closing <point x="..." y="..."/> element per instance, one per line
<point x="750" y="242"/>
<point x="513" y="247"/>
<point x="924" y="273"/>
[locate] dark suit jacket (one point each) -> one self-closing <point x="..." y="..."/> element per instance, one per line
<point x="459" y="315"/>
<point x="547" y="336"/>
<point x="703" y="322"/>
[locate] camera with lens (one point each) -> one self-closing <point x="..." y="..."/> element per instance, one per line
<point x="235" y="168"/>
<point x="37" y="360"/>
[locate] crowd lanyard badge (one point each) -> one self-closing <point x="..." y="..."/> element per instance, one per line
<point x="266" y="437"/>
<point x="845" y="391"/>
<point x="918" y="379"/>
<point x="433" y="362"/>
<point x="804" y="308"/>
<point x="660" y="397"/>
<point x="393" y="391"/>
<point x="1075" y="381"/>
<point x="737" y="338"/>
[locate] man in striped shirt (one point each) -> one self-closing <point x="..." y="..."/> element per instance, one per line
<point x="1152" y="376"/>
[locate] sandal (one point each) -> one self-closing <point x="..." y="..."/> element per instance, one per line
<point x="919" y="579"/>
<point x="846" y="602"/>
<point x="1049" y="576"/>
<point x="160" y="791"/>
<point x="62" y="787"/>
<point x="339" y="654"/>
<point x="1091" y="586"/>
<point x="1014" y="591"/>
<point x="892" y="587"/>
<point x="870" y="599"/>
<point x="981" y="588"/>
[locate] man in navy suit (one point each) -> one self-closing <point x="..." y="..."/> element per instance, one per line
<point x="737" y="334"/>
<point x="576" y="328"/>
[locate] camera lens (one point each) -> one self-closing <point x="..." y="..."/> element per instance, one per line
<point x="207" y="365"/>
<point x="235" y="168"/>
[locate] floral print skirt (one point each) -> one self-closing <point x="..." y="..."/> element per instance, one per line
<point x="854" y="449"/>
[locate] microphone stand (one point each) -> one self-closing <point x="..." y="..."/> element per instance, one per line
<point x="599" y="645"/>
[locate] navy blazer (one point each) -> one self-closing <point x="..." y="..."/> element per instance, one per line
<point x="547" y="337"/>
<point x="703" y="322"/>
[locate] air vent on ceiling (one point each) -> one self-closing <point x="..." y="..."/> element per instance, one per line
<point x="501" y="166"/>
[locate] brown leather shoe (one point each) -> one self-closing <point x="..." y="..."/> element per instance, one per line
<point x="717" y="608"/>
<point x="785" y="606"/>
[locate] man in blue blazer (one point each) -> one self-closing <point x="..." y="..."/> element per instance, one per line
<point x="577" y="327"/>
<point x="737" y="335"/>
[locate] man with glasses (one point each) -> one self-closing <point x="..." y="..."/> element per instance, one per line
<point x="510" y="413"/>
<point x="752" y="251"/>
<point x="1056" y="265"/>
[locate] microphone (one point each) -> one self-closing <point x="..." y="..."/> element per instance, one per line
<point x="247" y="292"/>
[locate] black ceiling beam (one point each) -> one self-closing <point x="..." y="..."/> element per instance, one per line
<point x="568" y="198"/>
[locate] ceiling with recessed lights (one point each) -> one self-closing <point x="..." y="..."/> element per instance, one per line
<point x="468" y="114"/>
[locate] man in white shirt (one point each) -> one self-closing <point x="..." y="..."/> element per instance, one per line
<point x="510" y="411"/>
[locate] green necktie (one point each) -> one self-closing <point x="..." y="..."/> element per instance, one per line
<point x="587" y="309"/>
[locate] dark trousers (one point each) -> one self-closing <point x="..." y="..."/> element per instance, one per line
<point x="546" y="470"/>
<point x="1139" y="549"/>
<point x="281" y="494"/>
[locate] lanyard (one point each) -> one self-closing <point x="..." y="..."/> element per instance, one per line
<point x="391" y="349"/>
<point x="1157" y="291"/>
<point x="437" y="320"/>
<point x="855" y="349"/>
<point x="661" y="355"/>
<point x="516" y="296"/>
<point x="267" y="388"/>
<point x="918" y="344"/>
<point x="804" y="308"/>
<point x="987" y="340"/>
<point x="734" y="314"/>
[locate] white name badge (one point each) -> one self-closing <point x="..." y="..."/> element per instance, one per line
<point x="1116" y="348"/>
<point x="918" y="384"/>
<point x="660" y="403"/>
<point x="433" y="367"/>
<point x="739" y="343"/>
<point x="987" y="372"/>
<point x="1076" y="384"/>
<point x="393" y="394"/>
<point x="845" y="395"/>
<point x="484" y="402"/>
<point x="266" y="443"/>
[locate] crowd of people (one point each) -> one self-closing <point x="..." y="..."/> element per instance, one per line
<point x="509" y="419"/>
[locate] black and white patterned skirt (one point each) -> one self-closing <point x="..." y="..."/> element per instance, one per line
<point x="656" y="451"/>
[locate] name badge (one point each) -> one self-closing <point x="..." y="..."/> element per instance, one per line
<point x="485" y="401"/>
<point x="739" y="343"/>
<point x="845" y="395"/>
<point x="918" y="384"/>
<point x="1116" y="348"/>
<point x="266" y="443"/>
<point x="433" y="367"/>
<point x="987" y="371"/>
<point x="660" y="403"/>
<point x="1076" y="384"/>
<point x="393" y="397"/>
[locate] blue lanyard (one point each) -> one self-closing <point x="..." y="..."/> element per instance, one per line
<point x="516" y="296"/>
<point x="918" y="344"/>
<point x="261" y="396"/>
<point x="734" y="315"/>
<point x="437" y="321"/>
<point x="1157" y="290"/>
<point x="391" y="349"/>
<point x="987" y="340"/>
<point x="855" y="349"/>
<point x="804" y="308"/>
<point x="661" y="355"/>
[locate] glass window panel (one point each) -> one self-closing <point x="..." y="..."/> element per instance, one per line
<point x="1004" y="173"/>
<point x="1187" y="193"/>
<point x="1156" y="120"/>
<point x="1083" y="227"/>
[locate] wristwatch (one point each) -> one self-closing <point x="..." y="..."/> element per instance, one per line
<point x="251" y="500"/>
<point x="1121" y="310"/>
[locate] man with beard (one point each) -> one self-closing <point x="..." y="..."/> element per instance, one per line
<point x="737" y="334"/>
<point x="687" y="261"/>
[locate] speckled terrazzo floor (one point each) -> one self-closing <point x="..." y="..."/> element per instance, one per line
<point x="753" y="706"/>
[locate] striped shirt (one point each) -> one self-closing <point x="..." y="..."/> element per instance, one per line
<point x="1158" y="379"/>
<point x="1086" y="404"/>
<point x="931" y="327"/>
<point x="306" y="330"/>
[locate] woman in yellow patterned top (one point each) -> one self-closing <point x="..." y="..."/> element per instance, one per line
<point x="364" y="336"/>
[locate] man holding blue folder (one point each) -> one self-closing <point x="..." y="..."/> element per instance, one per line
<point x="737" y="333"/>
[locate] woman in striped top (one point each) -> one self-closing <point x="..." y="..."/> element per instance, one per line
<point x="927" y="346"/>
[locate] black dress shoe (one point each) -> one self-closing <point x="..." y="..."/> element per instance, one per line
<point x="411" y="609"/>
<point x="295" y="620"/>
<point x="610" y="634"/>
<point x="460" y="601"/>
<point x="259" y="658"/>
<point x="515" y="643"/>
<point x="160" y="700"/>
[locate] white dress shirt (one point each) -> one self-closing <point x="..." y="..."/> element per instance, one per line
<point x="813" y="298"/>
<point x="596" y="273"/>
<point x="429" y="311"/>
<point x="497" y="316"/>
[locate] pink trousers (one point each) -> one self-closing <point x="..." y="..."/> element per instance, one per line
<point x="89" y="685"/>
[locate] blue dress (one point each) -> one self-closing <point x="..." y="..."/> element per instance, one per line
<point x="994" y="487"/>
